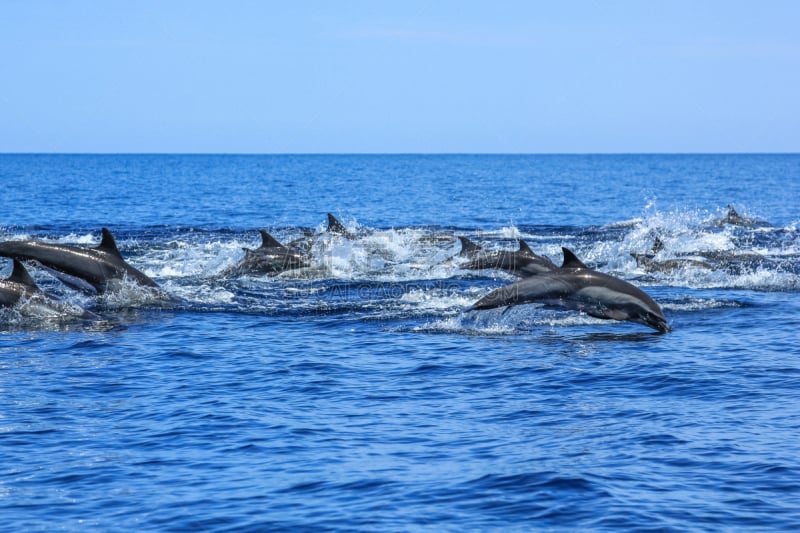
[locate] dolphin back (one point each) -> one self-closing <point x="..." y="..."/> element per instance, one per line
<point x="522" y="263"/>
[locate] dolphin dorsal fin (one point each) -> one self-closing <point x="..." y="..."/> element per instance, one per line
<point x="468" y="247"/>
<point x="732" y="211"/>
<point x="571" y="260"/>
<point x="20" y="275"/>
<point x="108" y="244"/>
<point x="524" y="248"/>
<point x="658" y="244"/>
<point x="334" y="226"/>
<point x="268" y="241"/>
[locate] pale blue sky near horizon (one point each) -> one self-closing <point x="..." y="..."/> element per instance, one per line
<point x="399" y="77"/>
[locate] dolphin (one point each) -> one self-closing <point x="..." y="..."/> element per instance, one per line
<point x="731" y="261"/>
<point x="725" y="255"/>
<point x="649" y="263"/>
<point x="303" y="243"/>
<point x="100" y="267"/>
<point x="271" y="257"/>
<point x="576" y="286"/>
<point x="20" y="287"/>
<point x="310" y="237"/>
<point x="735" y="219"/>
<point x="736" y="263"/>
<point x="522" y="263"/>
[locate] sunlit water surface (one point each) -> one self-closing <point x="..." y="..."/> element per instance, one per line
<point x="357" y="394"/>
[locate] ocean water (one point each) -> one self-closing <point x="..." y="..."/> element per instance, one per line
<point x="358" y="394"/>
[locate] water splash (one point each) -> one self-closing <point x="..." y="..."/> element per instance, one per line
<point x="415" y="271"/>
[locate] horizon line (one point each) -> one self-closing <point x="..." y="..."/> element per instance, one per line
<point x="399" y="153"/>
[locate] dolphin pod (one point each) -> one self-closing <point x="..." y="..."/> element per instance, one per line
<point x="95" y="270"/>
<point x="573" y="285"/>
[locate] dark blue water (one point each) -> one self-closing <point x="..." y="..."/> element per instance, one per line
<point x="357" y="394"/>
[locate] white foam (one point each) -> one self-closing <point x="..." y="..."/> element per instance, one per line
<point x="88" y="239"/>
<point x="387" y="255"/>
<point x="510" y="232"/>
<point x="201" y="293"/>
<point x="456" y="324"/>
<point x="685" y="234"/>
<point x="698" y="304"/>
<point x="438" y="299"/>
<point x="515" y="321"/>
<point x="181" y="259"/>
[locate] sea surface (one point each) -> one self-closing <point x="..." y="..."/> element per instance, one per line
<point x="358" y="394"/>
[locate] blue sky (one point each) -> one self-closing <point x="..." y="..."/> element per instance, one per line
<point x="410" y="76"/>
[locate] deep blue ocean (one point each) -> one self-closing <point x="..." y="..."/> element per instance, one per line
<point x="357" y="394"/>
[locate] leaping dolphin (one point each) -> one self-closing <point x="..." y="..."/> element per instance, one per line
<point x="576" y="286"/>
<point x="20" y="287"/>
<point x="99" y="266"/>
<point x="522" y="263"/>
<point x="271" y="257"/>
